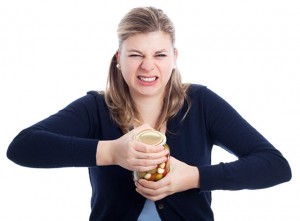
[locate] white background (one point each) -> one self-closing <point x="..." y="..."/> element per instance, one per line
<point x="52" y="52"/>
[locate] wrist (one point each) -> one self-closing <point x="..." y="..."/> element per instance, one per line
<point x="195" y="176"/>
<point x="104" y="155"/>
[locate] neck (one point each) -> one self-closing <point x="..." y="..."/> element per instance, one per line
<point x="149" y="109"/>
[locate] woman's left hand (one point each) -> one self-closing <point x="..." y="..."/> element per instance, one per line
<point x="180" y="178"/>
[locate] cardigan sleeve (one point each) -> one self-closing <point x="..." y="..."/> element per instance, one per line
<point x="259" y="164"/>
<point x="64" y="139"/>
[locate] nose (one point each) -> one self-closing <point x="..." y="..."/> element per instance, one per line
<point x="147" y="64"/>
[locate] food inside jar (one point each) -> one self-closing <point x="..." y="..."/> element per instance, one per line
<point x="155" y="174"/>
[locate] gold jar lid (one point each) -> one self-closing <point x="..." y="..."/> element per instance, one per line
<point x="151" y="137"/>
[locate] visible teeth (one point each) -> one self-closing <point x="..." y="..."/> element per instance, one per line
<point x="148" y="79"/>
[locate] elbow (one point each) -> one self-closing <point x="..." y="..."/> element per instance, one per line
<point x="17" y="151"/>
<point x="273" y="171"/>
<point x="286" y="172"/>
<point x="10" y="154"/>
<point x="281" y="172"/>
<point x="14" y="154"/>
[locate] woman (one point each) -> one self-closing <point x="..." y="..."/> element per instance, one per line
<point x="145" y="91"/>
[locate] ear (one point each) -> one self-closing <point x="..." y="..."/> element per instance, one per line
<point x="118" y="56"/>
<point x="175" y="55"/>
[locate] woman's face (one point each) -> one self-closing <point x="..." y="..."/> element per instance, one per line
<point x="146" y="61"/>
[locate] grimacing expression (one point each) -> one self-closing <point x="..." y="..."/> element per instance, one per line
<point x="146" y="62"/>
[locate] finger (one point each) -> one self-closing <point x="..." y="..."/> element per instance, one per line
<point x="165" y="182"/>
<point x="145" y="148"/>
<point x="153" y="194"/>
<point x="151" y="156"/>
<point x="143" y="151"/>
<point x="160" y="157"/>
<point x="151" y="197"/>
<point x="151" y="187"/>
<point x="142" y="165"/>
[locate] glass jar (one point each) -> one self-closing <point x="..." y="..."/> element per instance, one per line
<point x="153" y="137"/>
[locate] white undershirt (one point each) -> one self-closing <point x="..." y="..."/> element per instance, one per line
<point x="149" y="212"/>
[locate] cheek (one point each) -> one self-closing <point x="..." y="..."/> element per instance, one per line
<point x="167" y="68"/>
<point x="128" y="69"/>
<point x="129" y="63"/>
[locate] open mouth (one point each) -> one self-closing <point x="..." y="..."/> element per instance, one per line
<point x="147" y="79"/>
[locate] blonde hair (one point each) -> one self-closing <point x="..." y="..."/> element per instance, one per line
<point x="122" y="108"/>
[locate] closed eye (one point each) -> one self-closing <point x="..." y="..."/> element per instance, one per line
<point x="135" y="55"/>
<point x="161" y="55"/>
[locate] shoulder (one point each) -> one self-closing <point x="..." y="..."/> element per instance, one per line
<point x="96" y="94"/>
<point x="96" y="97"/>
<point x="196" y="91"/>
<point x="196" y="88"/>
<point x="204" y="96"/>
<point x="91" y="101"/>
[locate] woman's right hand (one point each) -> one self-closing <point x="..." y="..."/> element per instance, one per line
<point x="129" y="153"/>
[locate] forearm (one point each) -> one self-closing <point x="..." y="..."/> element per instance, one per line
<point x="252" y="172"/>
<point x="42" y="149"/>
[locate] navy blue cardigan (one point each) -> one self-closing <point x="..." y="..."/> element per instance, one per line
<point x="69" y="139"/>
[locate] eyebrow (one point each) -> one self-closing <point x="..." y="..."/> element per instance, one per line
<point x="137" y="51"/>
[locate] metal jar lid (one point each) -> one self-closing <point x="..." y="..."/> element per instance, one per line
<point x="151" y="137"/>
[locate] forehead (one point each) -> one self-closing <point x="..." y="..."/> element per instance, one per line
<point x="145" y="41"/>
